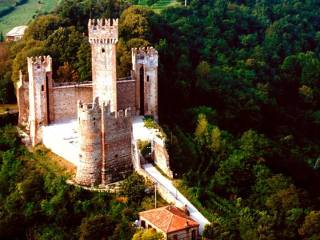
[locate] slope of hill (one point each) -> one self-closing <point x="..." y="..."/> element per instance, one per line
<point x="22" y="14"/>
<point x="159" y="4"/>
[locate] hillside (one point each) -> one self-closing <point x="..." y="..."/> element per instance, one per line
<point x="22" y="14"/>
<point x="158" y="5"/>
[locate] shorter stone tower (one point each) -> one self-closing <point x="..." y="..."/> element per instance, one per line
<point x="103" y="36"/>
<point x="145" y="71"/>
<point x="105" y="144"/>
<point x="40" y="70"/>
<point x="117" y="131"/>
<point x="89" y="125"/>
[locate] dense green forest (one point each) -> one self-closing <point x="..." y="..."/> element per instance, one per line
<point x="37" y="203"/>
<point x="239" y="98"/>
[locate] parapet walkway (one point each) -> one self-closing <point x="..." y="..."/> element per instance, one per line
<point x="164" y="185"/>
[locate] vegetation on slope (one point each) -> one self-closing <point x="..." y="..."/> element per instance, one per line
<point x="37" y="203"/>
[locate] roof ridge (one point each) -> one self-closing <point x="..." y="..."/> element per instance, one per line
<point x="169" y="224"/>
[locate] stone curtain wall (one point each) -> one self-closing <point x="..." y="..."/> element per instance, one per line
<point x="126" y="94"/>
<point x="63" y="101"/>
<point x="118" y="161"/>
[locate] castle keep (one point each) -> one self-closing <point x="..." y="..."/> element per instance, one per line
<point x="103" y="110"/>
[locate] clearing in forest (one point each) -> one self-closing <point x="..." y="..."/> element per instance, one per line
<point x="158" y="5"/>
<point x="23" y="14"/>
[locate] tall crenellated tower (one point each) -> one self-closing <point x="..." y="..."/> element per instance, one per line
<point x="40" y="70"/>
<point x="145" y="70"/>
<point x="90" y="141"/>
<point x="103" y="36"/>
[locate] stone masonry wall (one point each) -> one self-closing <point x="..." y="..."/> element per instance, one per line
<point x="126" y="94"/>
<point x="90" y="155"/>
<point x="118" y="162"/>
<point x="23" y="100"/>
<point x="63" y="101"/>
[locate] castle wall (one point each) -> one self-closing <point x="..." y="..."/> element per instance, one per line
<point x="117" y="146"/>
<point x="126" y="94"/>
<point x="63" y="101"/>
<point x="22" y="94"/>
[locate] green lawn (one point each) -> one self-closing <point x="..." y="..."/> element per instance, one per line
<point x="23" y="14"/>
<point x="160" y="4"/>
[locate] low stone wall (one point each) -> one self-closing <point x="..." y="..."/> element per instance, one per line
<point x="161" y="156"/>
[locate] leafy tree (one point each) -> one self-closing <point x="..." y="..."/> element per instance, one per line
<point x="96" y="227"/>
<point x="310" y="228"/>
<point x="149" y="234"/>
<point x="134" y="188"/>
<point x="43" y="27"/>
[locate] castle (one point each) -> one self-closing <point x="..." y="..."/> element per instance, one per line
<point x="103" y="109"/>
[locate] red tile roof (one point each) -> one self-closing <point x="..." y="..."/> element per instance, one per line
<point x="169" y="219"/>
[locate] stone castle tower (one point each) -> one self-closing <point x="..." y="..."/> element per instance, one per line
<point x="105" y="131"/>
<point x="103" y="36"/>
<point x="100" y="145"/>
<point x="145" y="71"/>
<point x="40" y="70"/>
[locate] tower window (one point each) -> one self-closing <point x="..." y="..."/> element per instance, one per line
<point x="103" y="50"/>
<point x="147" y="78"/>
<point x="42" y="88"/>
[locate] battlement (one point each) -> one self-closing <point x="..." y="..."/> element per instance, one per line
<point x="45" y="61"/>
<point x="144" y="51"/>
<point x="123" y="113"/>
<point x="89" y="107"/>
<point x="103" y="31"/>
<point x="146" y="56"/>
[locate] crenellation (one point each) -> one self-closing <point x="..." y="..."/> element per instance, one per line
<point x="103" y="110"/>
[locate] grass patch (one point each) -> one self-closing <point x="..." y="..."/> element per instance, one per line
<point x="159" y="5"/>
<point x="50" y="162"/>
<point x="7" y="107"/>
<point x="23" y="14"/>
<point x="149" y="122"/>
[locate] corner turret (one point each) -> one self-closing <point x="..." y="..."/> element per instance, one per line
<point x="145" y="71"/>
<point x="39" y="70"/>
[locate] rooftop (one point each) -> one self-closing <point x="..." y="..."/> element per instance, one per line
<point x="17" y="31"/>
<point x="169" y="219"/>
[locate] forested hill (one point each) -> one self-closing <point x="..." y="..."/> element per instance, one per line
<point x="239" y="99"/>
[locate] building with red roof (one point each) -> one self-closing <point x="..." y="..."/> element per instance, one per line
<point x="174" y="223"/>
